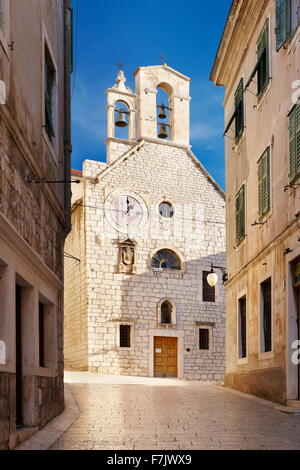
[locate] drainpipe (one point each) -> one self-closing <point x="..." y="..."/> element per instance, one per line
<point x="67" y="115"/>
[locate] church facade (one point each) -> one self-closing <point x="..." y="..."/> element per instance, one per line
<point x="147" y="226"/>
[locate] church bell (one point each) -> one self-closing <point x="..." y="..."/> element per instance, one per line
<point x="162" y="112"/>
<point x="121" y="120"/>
<point x="162" y="132"/>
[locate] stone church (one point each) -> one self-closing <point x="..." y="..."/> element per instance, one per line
<point x="147" y="226"/>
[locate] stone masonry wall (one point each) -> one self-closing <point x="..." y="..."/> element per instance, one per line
<point x="75" y="312"/>
<point x="154" y="172"/>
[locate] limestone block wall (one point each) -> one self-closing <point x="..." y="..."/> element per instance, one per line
<point x="75" y="297"/>
<point x="196" y="232"/>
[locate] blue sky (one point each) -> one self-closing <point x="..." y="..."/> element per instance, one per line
<point x="134" y="33"/>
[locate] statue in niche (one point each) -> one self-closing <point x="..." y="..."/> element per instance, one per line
<point x="127" y="257"/>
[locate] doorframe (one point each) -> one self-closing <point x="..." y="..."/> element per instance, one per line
<point x="292" y="374"/>
<point x="171" y="334"/>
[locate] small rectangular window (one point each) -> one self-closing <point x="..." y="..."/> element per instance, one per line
<point x="204" y="339"/>
<point x="266" y="318"/>
<point x="264" y="184"/>
<point x="49" y="84"/>
<point x="125" y="336"/>
<point x="240" y="215"/>
<point x="208" y="292"/>
<point x="242" y="327"/>
<point x="294" y="142"/>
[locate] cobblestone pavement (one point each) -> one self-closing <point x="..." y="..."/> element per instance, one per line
<point x="123" y="413"/>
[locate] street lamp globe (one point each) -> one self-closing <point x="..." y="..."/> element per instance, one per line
<point x="212" y="279"/>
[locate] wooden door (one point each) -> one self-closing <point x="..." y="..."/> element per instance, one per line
<point x="165" y="356"/>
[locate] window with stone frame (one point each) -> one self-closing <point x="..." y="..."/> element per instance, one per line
<point x="242" y="327"/>
<point x="204" y="339"/>
<point x="125" y="333"/>
<point x="166" y="312"/>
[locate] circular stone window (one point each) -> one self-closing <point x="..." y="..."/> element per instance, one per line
<point x="166" y="210"/>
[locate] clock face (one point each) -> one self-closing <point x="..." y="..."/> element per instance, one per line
<point x="126" y="211"/>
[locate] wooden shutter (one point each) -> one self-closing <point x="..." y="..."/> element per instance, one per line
<point x="240" y="215"/>
<point x="263" y="58"/>
<point x="294" y="142"/>
<point x="264" y="186"/>
<point x="48" y="99"/>
<point x="281" y="22"/>
<point x="239" y="110"/>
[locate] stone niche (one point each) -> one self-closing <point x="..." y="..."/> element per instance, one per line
<point x="127" y="257"/>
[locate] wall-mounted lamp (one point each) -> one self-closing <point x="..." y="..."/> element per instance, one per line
<point x="212" y="277"/>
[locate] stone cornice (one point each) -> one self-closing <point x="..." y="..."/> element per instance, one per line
<point x="240" y="26"/>
<point x="166" y="67"/>
<point x="22" y="248"/>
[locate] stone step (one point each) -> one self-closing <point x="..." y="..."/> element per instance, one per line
<point x="294" y="403"/>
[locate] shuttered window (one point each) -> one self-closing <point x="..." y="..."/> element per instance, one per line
<point x="264" y="184"/>
<point x="283" y="22"/>
<point x="294" y="142"/>
<point x="49" y="82"/>
<point x="240" y="215"/>
<point x="239" y="110"/>
<point x="263" y="59"/>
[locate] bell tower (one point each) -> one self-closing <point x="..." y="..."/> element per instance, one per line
<point x="121" y="107"/>
<point x="143" y="115"/>
<point x="158" y="121"/>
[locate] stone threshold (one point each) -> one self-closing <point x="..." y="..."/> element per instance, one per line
<point x="45" y="438"/>
<point x="294" y="409"/>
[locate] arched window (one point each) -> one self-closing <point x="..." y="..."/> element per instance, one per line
<point x="121" y="120"/>
<point x="166" y="312"/>
<point x="166" y="259"/>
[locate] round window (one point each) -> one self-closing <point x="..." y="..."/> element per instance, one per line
<point x="166" y="210"/>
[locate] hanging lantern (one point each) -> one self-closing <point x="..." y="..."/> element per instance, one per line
<point x="212" y="278"/>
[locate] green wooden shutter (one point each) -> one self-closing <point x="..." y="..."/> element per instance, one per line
<point x="292" y="144"/>
<point x="297" y="111"/>
<point x="240" y="215"/>
<point x="264" y="186"/>
<point x="263" y="59"/>
<point x="281" y="22"/>
<point x="239" y="110"/>
<point x="48" y="100"/>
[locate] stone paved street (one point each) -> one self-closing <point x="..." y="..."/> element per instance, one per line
<point x="142" y="413"/>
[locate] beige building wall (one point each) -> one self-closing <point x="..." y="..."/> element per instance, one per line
<point x="34" y="217"/>
<point x="262" y="254"/>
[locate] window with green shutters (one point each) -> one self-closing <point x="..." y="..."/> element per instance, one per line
<point x="294" y="143"/>
<point x="240" y="215"/>
<point x="264" y="184"/>
<point x="263" y="59"/>
<point x="49" y="82"/>
<point x="283" y="22"/>
<point x="239" y="110"/>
